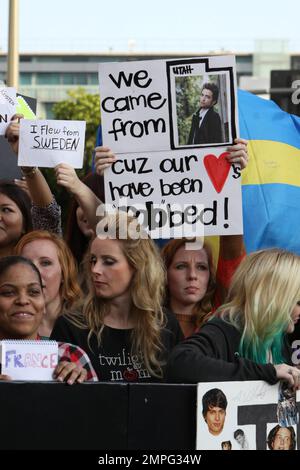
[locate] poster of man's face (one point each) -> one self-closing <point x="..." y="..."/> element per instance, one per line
<point x="244" y="414"/>
<point x="215" y="418"/>
<point x="202" y="105"/>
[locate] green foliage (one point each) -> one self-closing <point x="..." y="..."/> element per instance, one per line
<point x="81" y="106"/>
<point x="187" y="102"/>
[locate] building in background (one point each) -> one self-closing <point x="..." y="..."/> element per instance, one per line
<point x="48" y="76"/>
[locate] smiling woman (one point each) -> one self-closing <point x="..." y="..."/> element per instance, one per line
<point x="55" y="262"/>
<point x="22" y="307"/>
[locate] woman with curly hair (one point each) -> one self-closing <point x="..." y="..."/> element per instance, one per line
<point x="122" y="325"/>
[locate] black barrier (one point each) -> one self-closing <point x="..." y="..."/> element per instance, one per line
<point x="162" y="417"/>
<point x="50" y="415"/>
<point x="107" y="416"/>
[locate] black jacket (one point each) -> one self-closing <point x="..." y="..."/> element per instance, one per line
<point x="211" y="355"/>
<point x="209" y="132"/>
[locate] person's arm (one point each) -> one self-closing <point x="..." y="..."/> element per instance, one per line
<point x="40" y="192"/>
<point x="205" y="357"/>
<point x="71" y="353"/>
<point x="66" y="176"/>
<point x="45" y="212"/>
<point x="38" y="187"/>
<point x="232" y="247"/>
<point x="231" y="253"/>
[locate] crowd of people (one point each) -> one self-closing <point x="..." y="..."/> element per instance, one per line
<point x="124" y="312"/>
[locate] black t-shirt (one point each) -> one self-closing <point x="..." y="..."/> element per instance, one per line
<point x="113" y="360"/>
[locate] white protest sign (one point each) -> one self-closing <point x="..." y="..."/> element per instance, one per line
<point x="8" y="101"/>
<point x="201" y="182"/>
<point x="165" y="165"/>
<point x="29" y="360"/>
<point x="240" y="416"/>
<point x="46" y="143"/>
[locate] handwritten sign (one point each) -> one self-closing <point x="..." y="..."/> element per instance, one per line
<point x="46" y="143"/>
<point x="29" y="360"/>
<point x="245" y="417"/>
<point x="177" y="175"/>
<point x="8" y="102"/>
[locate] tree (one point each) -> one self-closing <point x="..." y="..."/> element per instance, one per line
<point x="187" y="101"/>
<point x="80" y="106"/>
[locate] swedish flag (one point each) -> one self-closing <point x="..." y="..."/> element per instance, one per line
<point x="271" y="182"/>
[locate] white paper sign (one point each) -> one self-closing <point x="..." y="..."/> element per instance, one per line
<point x="242" y="416"/>
<point x="29" y="360"/>
<point x="8" y="101"/>
<point x="200" y="183"/>
<point x="151" y="115"/>
<point x="46" y="143"/>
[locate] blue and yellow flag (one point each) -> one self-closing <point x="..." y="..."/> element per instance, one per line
<point x="271" y="182"/>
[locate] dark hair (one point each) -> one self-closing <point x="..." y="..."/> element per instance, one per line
<point x="214" y="89"/>
<point x="238" y="432"/>
<point x="8" y="261"/>
<point x="77" y="242"/>
<point x="274" y="431"/>
<point x="228" y="443"/>
<point x="21" y="199"/>
<point x="214" y="397"/>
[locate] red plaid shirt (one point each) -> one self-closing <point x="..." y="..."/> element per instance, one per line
<point x="71" y="353"/>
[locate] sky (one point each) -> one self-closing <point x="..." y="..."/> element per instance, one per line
<point x="153" y="26"/>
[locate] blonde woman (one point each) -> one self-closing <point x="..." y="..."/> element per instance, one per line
<point x="122" y="325"/>
<point x="248" y="341"/>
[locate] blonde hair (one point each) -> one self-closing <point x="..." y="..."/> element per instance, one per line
<point x="147" y="288"/>
<point x="202" y="309"/>
<point x="70" y="290"/>
<point x="264" y="290"/>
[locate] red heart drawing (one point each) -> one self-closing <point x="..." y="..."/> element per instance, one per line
<point x="217" y="169"/>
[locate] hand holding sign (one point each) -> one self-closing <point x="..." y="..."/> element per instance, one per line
<point x="8" y="101"/>
<point x="48" y="143"/>
<point x="238" y="153"/>
<point x="104" y="158"/>
<point x="67" y="177"/>
<point x="69" y="372"/>
<point x="13" y="132"/>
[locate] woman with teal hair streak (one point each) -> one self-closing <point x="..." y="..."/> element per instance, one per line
<point x="247" y="337"/>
